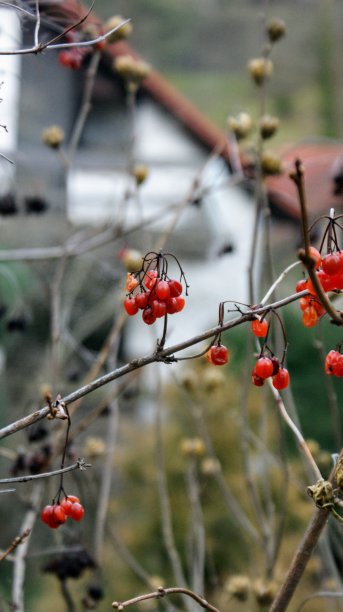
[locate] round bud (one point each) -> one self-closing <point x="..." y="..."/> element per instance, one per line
<point x="276" y="29"/>
<point x="123" y="30"/>
<point x="140" y="173"/>
<point x="271" y="164"/>
<point x="53" y="136"/>
<point x="240" y="125"/>
<point x="268" y="126"/>
<point x="260" y="69"/>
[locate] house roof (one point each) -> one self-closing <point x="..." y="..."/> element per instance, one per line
<point x="318" y="158"/>
<point x="68" y="11"/>
<point x="322" y="161"/>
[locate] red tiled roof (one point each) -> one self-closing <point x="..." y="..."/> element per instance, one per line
<point x="319" y="160"/>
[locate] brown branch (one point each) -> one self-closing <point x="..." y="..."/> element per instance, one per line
<point x="79" y="465"/>
<point x="300" y="560"/>
<point x="16" y="542"/>
<point x="166" y="355"/>
<point x="298" y="178"/>
<point x="161" y="592"/>
<point x="302" y="555"/>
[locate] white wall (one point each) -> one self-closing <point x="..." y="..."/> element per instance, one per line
<point x="10" y="38"/>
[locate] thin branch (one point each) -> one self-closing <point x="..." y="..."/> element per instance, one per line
<point x="300" y="438"/>
<point x="79" y="465"/>
<point x="16" y="542"/>
<point x="161" y="592"/>
<point x="166" y="355"/>
<point x="302" y="556"/>
<point x="19" y="569"/>
<point x="37" y="26"/>
<point x="49" y="45"/>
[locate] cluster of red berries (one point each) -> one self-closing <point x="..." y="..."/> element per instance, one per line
<point x="217" y="354"/>
<point x="329" y="271"/>
<point x="156" y="296"/>
<point x="74" y="56"/>
<point x="266" y="367"/>
<point x="55" y="515"/>
<point x="334" y="364"/>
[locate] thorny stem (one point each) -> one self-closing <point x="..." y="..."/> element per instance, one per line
<point x="161" y="592"/>
<point x="166" y="355"/>
<point x="298" y="178"/>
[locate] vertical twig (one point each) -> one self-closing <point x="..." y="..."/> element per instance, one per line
<point x="197" y="529"/>
<point x="19" y="568"/>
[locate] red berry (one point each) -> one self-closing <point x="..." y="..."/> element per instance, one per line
<point x="304" y="302"/>
<point x="67" y="503"/>
<point x="77" y="511"/>
<point x="175" y="288"/>
<point x="264" y="367"/>
<point x="281" y="379"/>
<point x="46" y="514"/>
<point x="148" y="316"/>
<point x="320" y="310"/>
<point x="325" y="280"/>
<point x="314" y="253"/>
<point x="257" y="380"/>
<point x="150" y="279"/>
<point x="218" y="354"/>
<point x="180" y="302"/>
<point x="64" y="58"/>
<point x="331" y="264"/>
<point x="334" y="363"/>
<point x="310" y="317"/>
<point x="301" y="285"/>
<point x="59" y="514"/>
<point x="162" y="290"/>
<point x="172" y="305"/>
<point x="53" y="515"/>
<point x="130" y="306"/>
<point x="259" y="328"/>
<point x="142" y="299"/>
<point x="159" y="309"/>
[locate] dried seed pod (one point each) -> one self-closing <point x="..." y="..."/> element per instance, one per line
<point x="276" y="29"/>
<point x="260" y="69"/>
<point x="268" y="126"/>
<point x="122" y="32"/>
<point x="53" y="136"/>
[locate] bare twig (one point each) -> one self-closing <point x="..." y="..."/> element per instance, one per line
<point x="16" y="542"/>
<point x="302" y="556"/>
<point x="161" y="592"/>
<point x="300" y="438"/>
<point x="79" y="465"/>
<point x="166" y="355"/>
<point x="21" y="551"/>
